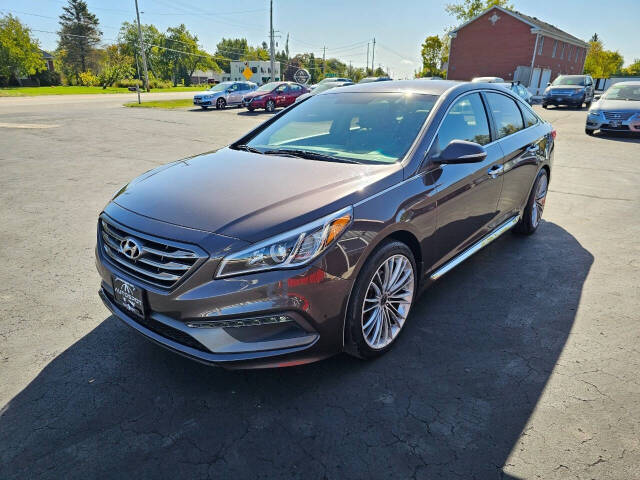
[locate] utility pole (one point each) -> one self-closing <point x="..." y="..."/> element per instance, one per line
<point x="144" y="55"/>
<point x="373" y="56"/>
<point x="324" y="61"/>
<point x="272" y="53"/>
<point x="367" y="69"/>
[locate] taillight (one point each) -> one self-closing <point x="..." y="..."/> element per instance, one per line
<point x="553" y="134"/>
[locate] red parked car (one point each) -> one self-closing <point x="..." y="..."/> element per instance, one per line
<point x="272" y="95"/>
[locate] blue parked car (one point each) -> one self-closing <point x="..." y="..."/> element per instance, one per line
<point x="223" y="94"/>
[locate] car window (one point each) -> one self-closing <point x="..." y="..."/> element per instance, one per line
<point x="281" y="88"/>
<point x="506" y="114"/>
<point x="465" y="120"/>
<point x="234" y="87"/>
<point x="529" y="117"/>
<point x="364" y="127"/>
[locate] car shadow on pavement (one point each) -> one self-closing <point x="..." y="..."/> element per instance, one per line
<point x="626" y="137"/>
<point x="452" y="397"/>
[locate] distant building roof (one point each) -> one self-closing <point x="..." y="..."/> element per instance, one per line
<point x="537" y="25"/>
<point x="46" y="55"/>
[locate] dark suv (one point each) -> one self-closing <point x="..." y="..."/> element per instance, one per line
<point x="572" y="90"/>
<point x="313" y="234"/>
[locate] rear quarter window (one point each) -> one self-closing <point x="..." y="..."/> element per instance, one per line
<point x="505" y="113"/>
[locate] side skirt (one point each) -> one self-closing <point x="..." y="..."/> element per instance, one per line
<point x="454" y="262"/>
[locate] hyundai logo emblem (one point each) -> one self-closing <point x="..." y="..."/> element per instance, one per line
<point x="130" y="248"/>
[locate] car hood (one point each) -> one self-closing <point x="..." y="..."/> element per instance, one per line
<point x="251" y="196"/>
<point x="617" y="105"/>
<point x="255" y="94"/>
<point x="564" y="87"/>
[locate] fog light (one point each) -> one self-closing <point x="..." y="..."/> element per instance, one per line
<point x="241" y="322"/>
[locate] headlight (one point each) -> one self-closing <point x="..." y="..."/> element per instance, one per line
<point x="288" y="250"/>
<point x="594" y="113"/>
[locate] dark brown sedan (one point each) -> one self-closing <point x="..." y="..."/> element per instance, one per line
<point x="315" y="232"/>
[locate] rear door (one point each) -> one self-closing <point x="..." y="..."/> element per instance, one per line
<point x="522" y="139"/>
<point x="467" y="194"/>
<point x="294" y="92"/>
<point x="281" y="95"/>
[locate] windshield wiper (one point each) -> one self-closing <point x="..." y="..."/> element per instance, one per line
<point x="307" y="154"/>
<point x="248" y="148"/>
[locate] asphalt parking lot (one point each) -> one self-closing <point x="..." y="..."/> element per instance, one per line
<point x="521" y="363"/>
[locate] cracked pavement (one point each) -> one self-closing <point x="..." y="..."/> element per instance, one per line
<point x="520" y="363"/>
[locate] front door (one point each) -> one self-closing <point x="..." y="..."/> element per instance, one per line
<point x="235" y="95"/>
<point x="467" y="194"/>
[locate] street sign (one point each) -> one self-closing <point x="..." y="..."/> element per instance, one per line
<point x="247" y="73"/>
<point x="302" y="76"/>
<point x="331" y="75"/>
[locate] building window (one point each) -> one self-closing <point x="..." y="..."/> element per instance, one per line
<point x="562" y="51"/>
<point x="569" y="53"/>
<point x="540" y="45"/>
<point x="555" y="48"/>
<point x="577" y="52"/>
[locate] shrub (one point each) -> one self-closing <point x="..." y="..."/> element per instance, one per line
<point x="88" y="79"/>
<point x="48" y="78"/>
<point x="128" y="82"/>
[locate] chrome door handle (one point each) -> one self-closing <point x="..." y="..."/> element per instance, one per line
<point x="496" y="170"/>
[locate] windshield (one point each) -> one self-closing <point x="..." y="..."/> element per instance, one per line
<point x="325" y="86"/>
<point x="360" y="127"/>
<point x="220" y="87"/>
<point x="623" y="92"/>
<point x="267" y="87"/>
<point x="569" y="80"/>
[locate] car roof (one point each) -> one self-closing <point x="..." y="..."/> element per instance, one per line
<point x="632" y="83"/>
<point x="433" y="87"/>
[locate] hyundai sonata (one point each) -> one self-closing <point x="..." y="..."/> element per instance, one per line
<point x="313" y="234"/>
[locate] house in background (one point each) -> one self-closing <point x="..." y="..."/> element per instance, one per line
<point x="47" y="58"/>
<point x="516" y="47"/>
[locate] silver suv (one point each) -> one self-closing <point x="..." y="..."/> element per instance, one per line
<point x="223" y="94"/>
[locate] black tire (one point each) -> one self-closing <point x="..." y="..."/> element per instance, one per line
<point x="221" y="103"/>
<point x="589" y="132"/>
<point x="588" y="104"/>
<point x="251" y="109"/>
<point x="355" y="343"/>
<point x="271" y="106"/>
<point x="204" y="107"/>
<point x="545" y="106"/>
<point x="527" y="225"/>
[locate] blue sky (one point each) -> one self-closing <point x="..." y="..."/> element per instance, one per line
<point x="343" y="26"/>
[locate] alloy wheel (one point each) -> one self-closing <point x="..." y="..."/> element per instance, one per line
<point x="387" y="301"/>
<point x="271" y="106"/>
<point x="539" y="200"/>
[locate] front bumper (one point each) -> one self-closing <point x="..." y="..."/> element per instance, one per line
<point x="599" y="122"/>
<point x="313" y="299"/>
<point x="254" y="103"/>
<point x="563" y="100"/>
<point x="202" y="102"/>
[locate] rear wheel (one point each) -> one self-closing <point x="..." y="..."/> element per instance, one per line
<point x="381" y="300"/>
<point x="532" y="215"/>
<point x="221" y="103"/>
<point x="588" y="104"/>
<point x="271" y="106"/>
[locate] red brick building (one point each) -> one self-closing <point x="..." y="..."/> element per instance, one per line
<point x="514" y="46"/>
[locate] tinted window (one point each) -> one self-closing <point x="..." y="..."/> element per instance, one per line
<point x="296" y="88"/>
<point x="529" y="118"/>
<point x="466" y="120"/>
<point x="506" y="114"/>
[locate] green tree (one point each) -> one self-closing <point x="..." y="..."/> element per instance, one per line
<point x="232" y="49"/>
<point x="634" y="68"/>
<point x="19" y="53"/>
<point x="130" y="45"/>
<point x="116" y="66"/>
<point x="465" y="10"/>
<point x="432" y="51"/>
<point x="601" y="63"/>
<point x="79" y="36"/>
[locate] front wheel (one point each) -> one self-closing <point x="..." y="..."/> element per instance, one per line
<point x="271" y="106"/>
<point x="532" y="215"/>
<point x="545" y="106"/>
<point x="589" y="132"/>
<point x="220" y="104"/>
<point x="588" y="104"/>
<point x="381" y="300"/>
<point x="251" y="109"/>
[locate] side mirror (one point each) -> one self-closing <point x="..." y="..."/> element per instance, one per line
<point x="596" y="97"/>
<point x="548" y="84"/>
<point x="461" y="151"/>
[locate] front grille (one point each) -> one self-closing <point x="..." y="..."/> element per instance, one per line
<point x="171" y="333"/>
<point x="161" y="263"/>
<point x="621" y="116"/>
<point x="562" y="92"/>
